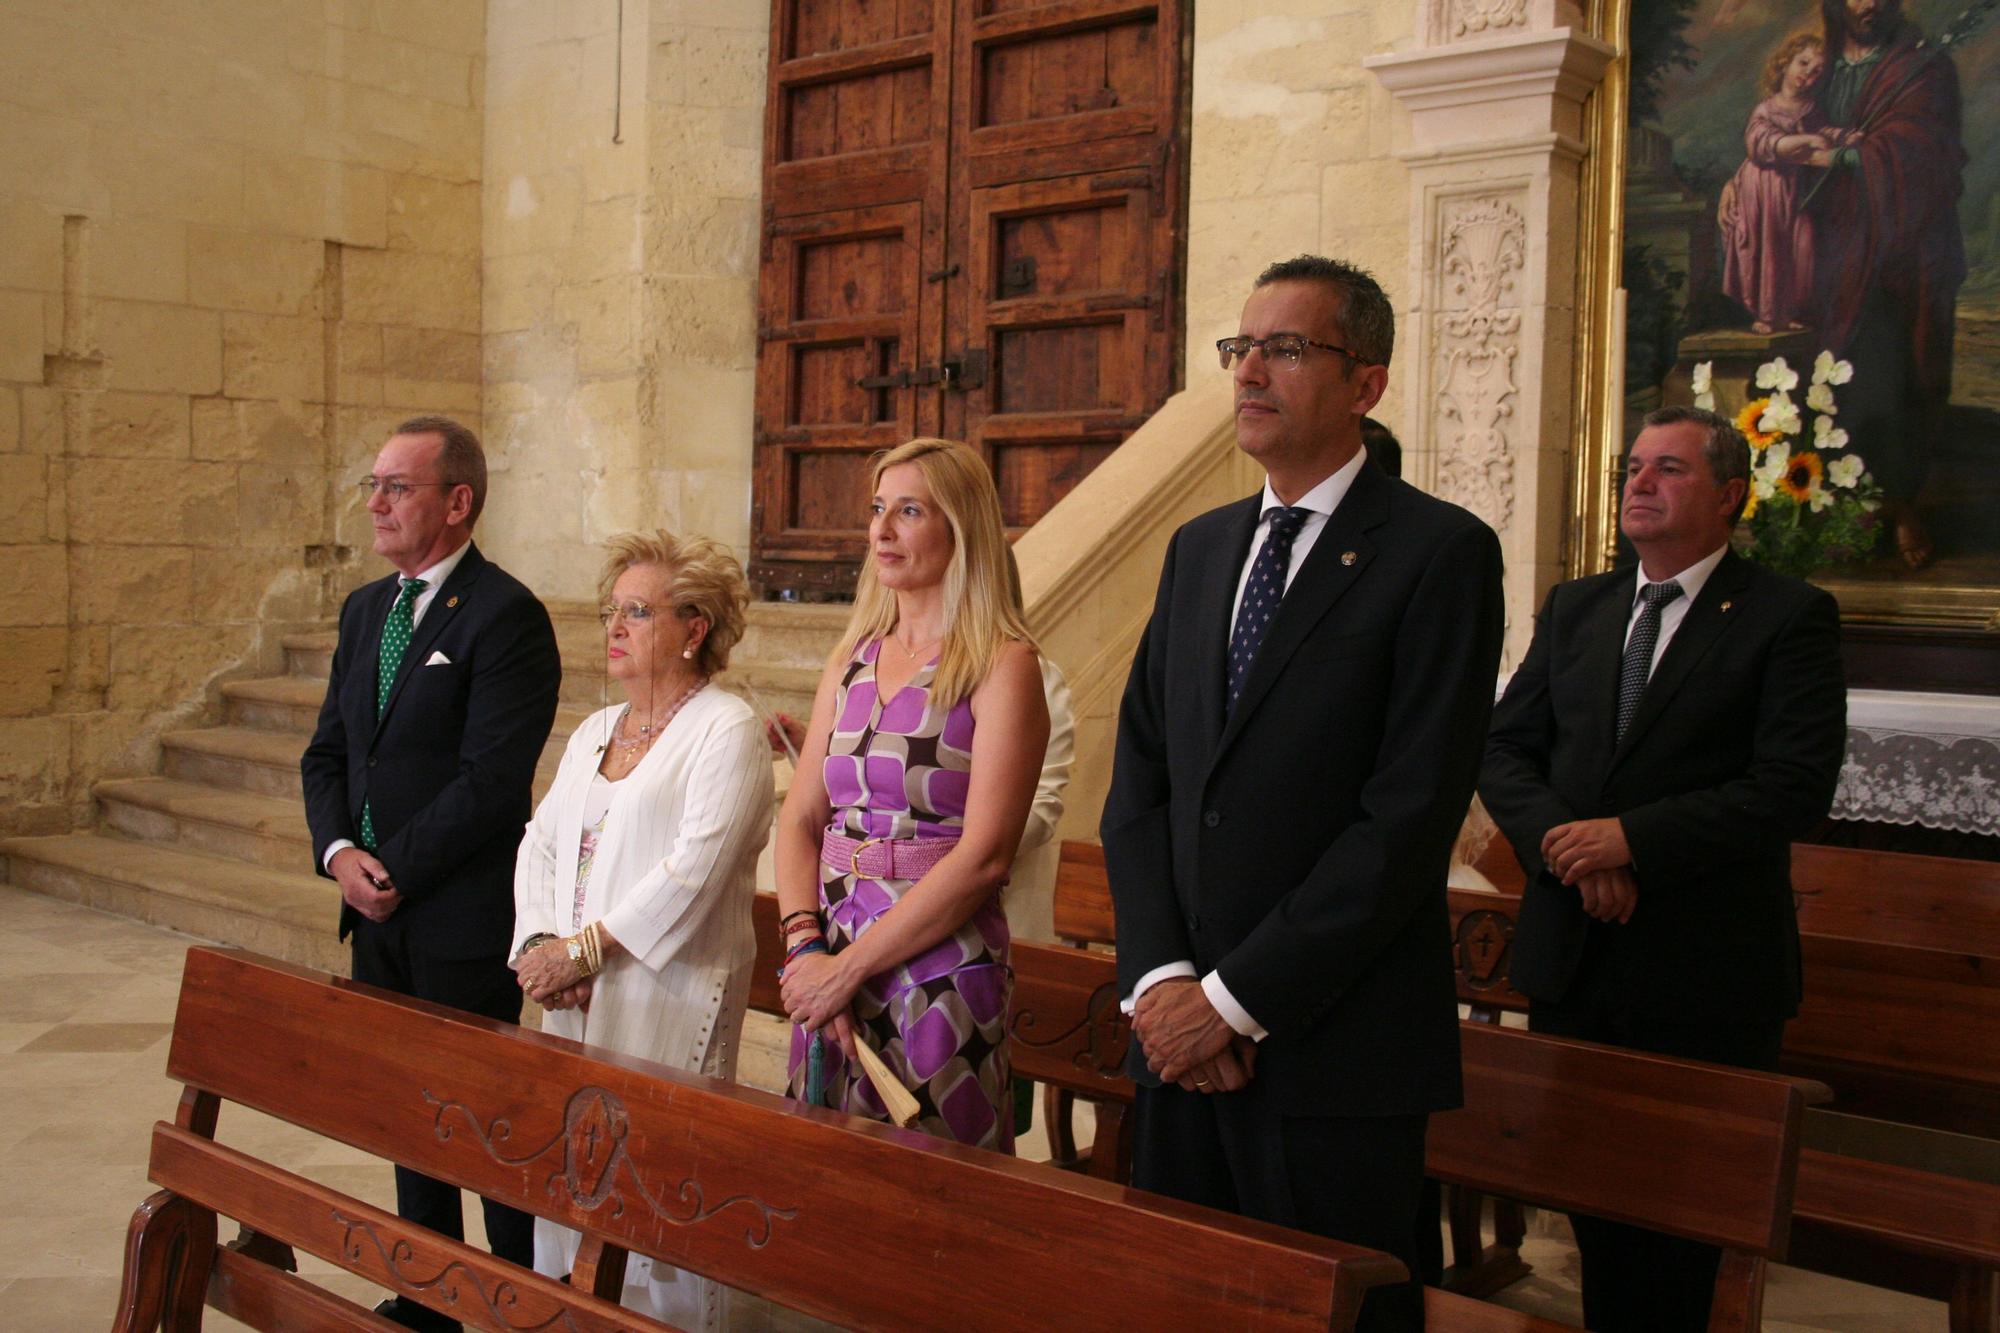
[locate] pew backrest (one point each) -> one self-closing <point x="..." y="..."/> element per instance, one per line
<point x="844" y="1219"/>
<point x="1693" y="1149"/>
<point x="1083" y="896"/>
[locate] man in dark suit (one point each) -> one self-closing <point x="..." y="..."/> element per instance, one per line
<point x="417" y="780"/>
<point x="1296" y="748"/>
<point x="1669" y="734"/>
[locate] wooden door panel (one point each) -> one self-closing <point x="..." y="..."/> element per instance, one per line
<point x="1033" y="473"/>
<point x="1066" y="303"/>
<point x="840" y="303"/>
<point x="816" y="27"/>
<point x="1067" y="73"/>
<point x="857" y="105"/>
<point x="974" y="206"/>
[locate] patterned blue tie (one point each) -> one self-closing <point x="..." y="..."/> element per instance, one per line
<point x="1638" y="663"/>
<point x="1263" y="592"/>
<point x="396" y="634"/>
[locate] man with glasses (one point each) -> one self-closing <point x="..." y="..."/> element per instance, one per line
<point x="417" y="780"/>
<point x="1296" y="748"/>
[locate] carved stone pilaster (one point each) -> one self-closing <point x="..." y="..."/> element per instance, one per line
<point x="1469" y="18"/>
<point x="1476" y="344"/>
<point x="1457" y="20"/>
<point x="1495" y="97"/>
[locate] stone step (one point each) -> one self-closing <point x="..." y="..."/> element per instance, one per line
<point x="774" y="689"/>
<point x="248" y="759"/>
<point x="292" y="704"/>
<point x="292" y="916"/>
<point x="310" y="654"/>
<point x="275" y="703"/>
<point x="244" y="759"/>
<point x="794" y="634"/>
<point x="787" y="689"/>
<point x="261" y="830"/>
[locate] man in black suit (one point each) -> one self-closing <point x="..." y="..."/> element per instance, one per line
<point x="1667" y="737"/>
<point x="1296" y="748"/>
<point x="417" y="780"/>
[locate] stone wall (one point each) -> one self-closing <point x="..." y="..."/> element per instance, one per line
<point x="1292" y="151"/>
<point x="238" y="239"/>
<point x="622" y="178"/>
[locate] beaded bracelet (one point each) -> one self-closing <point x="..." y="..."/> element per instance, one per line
<point x="810" y="946"/>
<point x="790" y="917"/>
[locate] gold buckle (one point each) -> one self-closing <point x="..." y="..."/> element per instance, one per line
<point x="854" y="857"/>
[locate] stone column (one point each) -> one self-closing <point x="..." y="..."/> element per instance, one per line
<point x="1495" y="96"/>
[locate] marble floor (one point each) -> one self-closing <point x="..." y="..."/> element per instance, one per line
<point x="83" y="1040"/>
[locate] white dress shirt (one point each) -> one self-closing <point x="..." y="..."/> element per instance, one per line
<point x="1319" y="504"/>
<point x="433" y="578"/>
<point x="1673" y="613"/>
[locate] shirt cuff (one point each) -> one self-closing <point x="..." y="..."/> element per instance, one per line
<point x="1232" y="1013"/>
<point x="1164" y="972"/>
<point x="337" y="845"/>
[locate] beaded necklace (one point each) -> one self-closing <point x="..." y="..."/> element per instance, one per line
<point x="650" y="731"/>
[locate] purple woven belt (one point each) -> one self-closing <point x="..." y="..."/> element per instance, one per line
<point x="883" y="858"/>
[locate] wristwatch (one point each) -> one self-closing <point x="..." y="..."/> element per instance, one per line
<point x="573" y="946"/>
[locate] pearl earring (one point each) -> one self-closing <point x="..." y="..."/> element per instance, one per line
<point x="688" y="653"/>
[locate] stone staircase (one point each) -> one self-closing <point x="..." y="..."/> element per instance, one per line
<point x="216" y="844"/>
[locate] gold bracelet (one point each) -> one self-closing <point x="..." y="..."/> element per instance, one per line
<point x="593" y="945"/>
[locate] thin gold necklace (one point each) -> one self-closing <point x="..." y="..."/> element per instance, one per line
<point x="650" y="731"/>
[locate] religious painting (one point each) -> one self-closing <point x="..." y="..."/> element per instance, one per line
<point x="1811" y="244"/>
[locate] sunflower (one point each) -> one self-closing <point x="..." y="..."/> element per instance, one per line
<point x="1801" y="477"/>
<point x="1746" y="421"/>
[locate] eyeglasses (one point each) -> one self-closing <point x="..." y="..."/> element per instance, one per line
<point x="635" y="613"/>
<point x="1280" y="349"/>
<point x="396" y="489"/>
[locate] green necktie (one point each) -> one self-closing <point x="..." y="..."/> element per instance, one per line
<point x="395" y="640"/>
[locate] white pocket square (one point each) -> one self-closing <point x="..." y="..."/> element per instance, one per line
<point x="438" y="659"/>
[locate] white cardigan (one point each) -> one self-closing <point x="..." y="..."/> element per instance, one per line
<point x="672" y="881"/>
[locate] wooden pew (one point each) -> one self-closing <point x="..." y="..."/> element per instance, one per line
<point x="1083" y="896"/>
<point x="1901" y="1017"/>
<point x="1531" y="1102"/>
<point x="846" y="1220"/>
<point x="1902" y="1006"/>
<point x="1901" y="1014"/>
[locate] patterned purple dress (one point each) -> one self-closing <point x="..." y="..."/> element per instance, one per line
<point x="900" y="768"/>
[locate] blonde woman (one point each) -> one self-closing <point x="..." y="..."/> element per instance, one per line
<point x="911" y="792"/>
<point x="633" y="887"/>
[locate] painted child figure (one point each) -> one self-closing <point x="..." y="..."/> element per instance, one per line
<point x="1767" y="240"/>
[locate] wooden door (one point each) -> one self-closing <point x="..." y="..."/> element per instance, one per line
<point x="972" y="227"/>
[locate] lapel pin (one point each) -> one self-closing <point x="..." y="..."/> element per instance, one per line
<point x="1347" y="557"/>
<point x="1727" y="605"/>
<point x="452" y="601"/>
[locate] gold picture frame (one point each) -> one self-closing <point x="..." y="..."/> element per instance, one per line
<point x="1590" y="542"/>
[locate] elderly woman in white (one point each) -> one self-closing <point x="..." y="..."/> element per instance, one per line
<point x="633" y="888"/>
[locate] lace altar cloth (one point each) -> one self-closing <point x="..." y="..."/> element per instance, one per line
<point x="1922" y="758"/>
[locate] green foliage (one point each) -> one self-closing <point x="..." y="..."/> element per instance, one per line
<point x="1659" y="47"/>
<point x="1652" y="317"/>
<point x="1790" y="538"/>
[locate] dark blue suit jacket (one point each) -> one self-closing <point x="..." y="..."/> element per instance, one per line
<point x="1734" y="753"/>
<point x="450" y="766"/>
<point x="1301" y="846"/>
